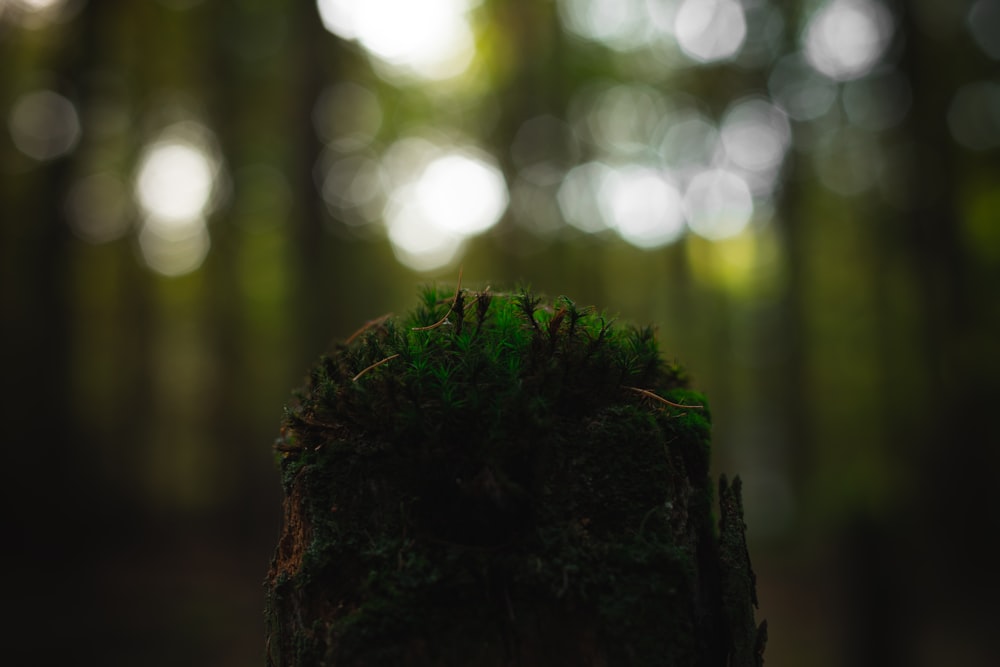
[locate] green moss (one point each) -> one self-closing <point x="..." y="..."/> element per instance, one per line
<point x="490" y="464"/>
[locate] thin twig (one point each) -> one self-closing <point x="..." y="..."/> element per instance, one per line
<point x="452" y="307"/>
<point x="656" y="397"/>
<point x="367" y="325"/>
<point x="375" y="365"/>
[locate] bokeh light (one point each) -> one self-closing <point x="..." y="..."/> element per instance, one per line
<point x="462" y="193"/>
<point x="175" y="180"/>
<point x="619" y="119"/>
<point x="643" y="205"/>
<point x="799" y="90"/>
<point x="38" y="14"/>
<point x="718" y="204"/>
<point x="579" y="198"/>
<point x="177" y="186"/>
<point x="654" y="149"/>
<point x="430" y="40"/>
<point x="416" y="241"/>
<point x="846" y="38"/>
<point x="984" y="24"/>
<point x="974" y="115"/>
<point x="353" y="187"/>
<point x="756" y="135"/>
<point x="710" y="30"/>
<point x="623" y="25"/>
<point x="534" y="203"/>
<point x="690" y="143"/>
<point x="440" y="195"/>
<point x="44" y="125"/>
<point x="174" y="248"/>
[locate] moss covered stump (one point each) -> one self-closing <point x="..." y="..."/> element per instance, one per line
<point x="498" y="480"/>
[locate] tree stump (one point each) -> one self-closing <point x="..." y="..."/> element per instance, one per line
<point x="495" y="480"/>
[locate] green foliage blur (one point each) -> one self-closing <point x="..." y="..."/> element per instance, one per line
<point x="197" y="198"/>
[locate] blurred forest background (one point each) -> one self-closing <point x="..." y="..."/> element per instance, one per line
<point x="198" y="197"/>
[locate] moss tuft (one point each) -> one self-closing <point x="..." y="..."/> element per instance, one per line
<point x="497" y="476"/>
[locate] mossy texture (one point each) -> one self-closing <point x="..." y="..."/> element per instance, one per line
<point x="494" y="479"/>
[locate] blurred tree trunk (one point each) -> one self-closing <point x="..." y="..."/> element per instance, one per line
<point x="937" y="401"/>
<point x="952" y="519"/>
<point x="46" y="466"/>
<point x="314" y="64"/>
